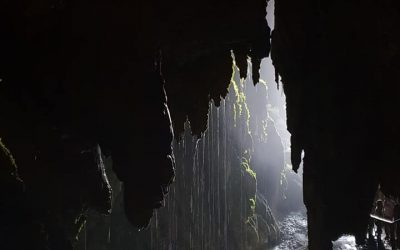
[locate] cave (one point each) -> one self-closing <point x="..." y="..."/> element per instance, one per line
<point x="211" y="125"/>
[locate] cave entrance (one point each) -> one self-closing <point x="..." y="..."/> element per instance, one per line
<point x="275" y="177"/>
<point x="287" y="207"/>
<point x="235" y="187"/>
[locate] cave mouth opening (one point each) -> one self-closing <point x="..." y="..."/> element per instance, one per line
<point x="272" y="163"/>
<point x="239" y="169"/>
<point x="292" y="219"/>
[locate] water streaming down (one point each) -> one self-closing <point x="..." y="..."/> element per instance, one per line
<point x="225" y="196"/>
<point x="232" y="185"/>
<point x="214" y="202"/>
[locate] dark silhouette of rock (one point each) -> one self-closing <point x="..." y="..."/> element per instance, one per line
<point x="341" y="89"/>
<point x="77" y="74"/>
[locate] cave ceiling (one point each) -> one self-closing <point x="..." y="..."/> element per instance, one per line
<point x="77" y="76"/>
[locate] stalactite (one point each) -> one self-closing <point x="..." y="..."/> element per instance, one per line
<point x="212" y="203"/>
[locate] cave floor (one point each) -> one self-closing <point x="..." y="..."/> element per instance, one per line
<point x="294" y="228"/>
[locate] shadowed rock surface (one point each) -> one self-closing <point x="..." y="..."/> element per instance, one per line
<point x="76" y="74"/>
<point x="79" y="79"/>
<point x="339" y="66"/>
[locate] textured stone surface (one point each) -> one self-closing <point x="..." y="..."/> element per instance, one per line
<point x="339" y="66"/>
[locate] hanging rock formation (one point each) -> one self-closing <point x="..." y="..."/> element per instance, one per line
<point x="214" y="202"/>
<point x="197" y="62"/>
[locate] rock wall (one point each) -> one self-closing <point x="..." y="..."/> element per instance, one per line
<point x="338" y="63"/>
